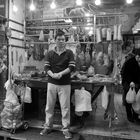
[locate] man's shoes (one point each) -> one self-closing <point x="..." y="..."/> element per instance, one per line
<point x="67" y="135"/>
<point x="45" y="131"/>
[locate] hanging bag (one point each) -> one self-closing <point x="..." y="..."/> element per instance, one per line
<point x="26" y="95"/>
<point x="27" y="98"/>
<point x="136" y="104"/>
<point x="131" y="95"/>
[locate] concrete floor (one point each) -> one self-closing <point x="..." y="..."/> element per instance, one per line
<point x="121" y="128"/>
<point x="95" y="128"/>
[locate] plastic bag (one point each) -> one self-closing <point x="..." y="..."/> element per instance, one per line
<point x="8" y="84"/>
<point x="105" y="98"/>
<point x="131" y="95"/>
<point x="136" y="104"/>
<point x="82" y="100"/>
<point x="11" y="97"/>
<point x="27" y="97"/>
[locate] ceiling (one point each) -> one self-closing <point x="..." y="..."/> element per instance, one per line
<point x="108" y="6"/>
<point x="105" y="3"/>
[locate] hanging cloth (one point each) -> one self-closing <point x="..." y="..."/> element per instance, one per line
<point x="131" y="95"/>
<point x="136" y="104"/>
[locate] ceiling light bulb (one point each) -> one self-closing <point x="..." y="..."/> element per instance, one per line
<point x="79" y="2"/>
<point x="97" y="2"/>
<point x="87" y="14"/>
<point x="53" y="5"/>
<point x="129" y="1"/>
<point x="15" y="9"/>
<point x="32" y="7"/>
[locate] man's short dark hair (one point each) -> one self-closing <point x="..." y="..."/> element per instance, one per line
<point x="59" y="33"/>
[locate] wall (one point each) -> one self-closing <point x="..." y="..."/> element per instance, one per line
<point x="16" y="52"/>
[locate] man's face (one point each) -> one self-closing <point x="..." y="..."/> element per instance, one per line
<point x="60" y="41"/>
<point x="138" y="59"/>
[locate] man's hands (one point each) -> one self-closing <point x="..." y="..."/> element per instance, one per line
<point x="57" y="75"/>
<point x="54" y="75"/>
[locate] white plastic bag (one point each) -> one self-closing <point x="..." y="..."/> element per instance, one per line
<point x="8" y="84"/>
<point x="27" y="98"/>
<point x="82" y="100"/>
<point x="105" y="98"/>
<point x="11" y="97"/>
<point x="131" y="95"/>
<point x="136" y="104"/>
<point x="26" y="95"/>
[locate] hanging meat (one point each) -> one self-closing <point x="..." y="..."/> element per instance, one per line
<point x="38" y="52"/>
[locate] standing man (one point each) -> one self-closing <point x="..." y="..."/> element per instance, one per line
<point x="130" y="73"/>
<point x="58" y="64"/>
